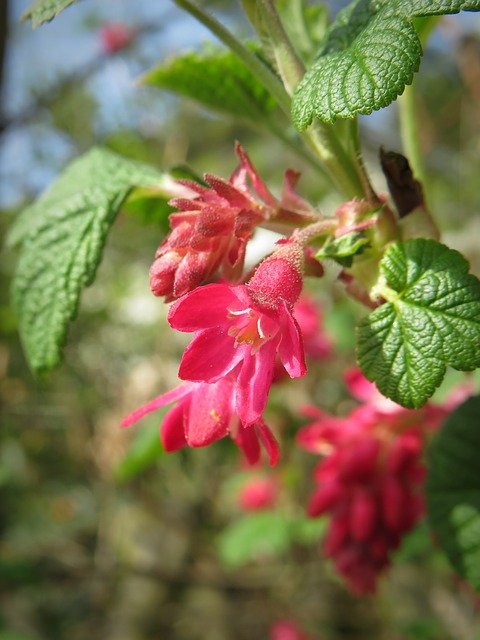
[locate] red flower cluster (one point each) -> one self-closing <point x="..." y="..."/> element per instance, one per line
<point x="245" y="335"/>
<point x="369" y="480"/>
<point x="240" y="331"/>
<point x="212" y="229"/>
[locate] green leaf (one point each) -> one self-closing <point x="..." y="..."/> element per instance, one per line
<point x="344" y="248"/>
<point x="453" y="489"/>
<point x="62" y="235"/>
<point x="431" y="320"/>
<point x="42" y="11"/>
<point x="370" y="53"/>
<point x="145" y="450"/>
<point x="218" y="80"/>
<point x="255" y="536"/>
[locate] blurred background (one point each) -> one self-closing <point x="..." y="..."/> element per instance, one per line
<point x="102" y="534"/>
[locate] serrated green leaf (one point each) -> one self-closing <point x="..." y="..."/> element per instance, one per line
<point x="42" y="11"/>
<point x="64" y="232"/>
<point x="453" y="489"/>
<point x="344" y="248"/>
<point x="254" y="536"/>
<point x="370" y="53"/>
<point x="431" y="320"/>
<point x="218" y="80"/>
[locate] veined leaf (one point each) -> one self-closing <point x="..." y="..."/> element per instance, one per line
<point x="431" y="320"/>
<point x="62" y="235"/>
<point x="218" y="80"/>
<point x="453" y="489"/>
<point x="41" y="11"/>
<point x="370" y="53"/>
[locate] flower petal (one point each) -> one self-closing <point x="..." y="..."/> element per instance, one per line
<point x="172" y="431"/>
<point x="193" y="268"/>
<point x="160" y="401"/>
<point x="209" y="414"/>
<point x="247" y="440"/>
<point x="269" y="442"/>
<point x="210" y="356"/>
<point x="202" y="308"/>
<point x="290" y="348"/>
<point x="254" y="381"/>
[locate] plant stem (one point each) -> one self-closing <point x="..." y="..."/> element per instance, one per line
<point x="256" y="66"/>
<point x="361" y="169"/>
<point x="297" y="146"/>
<point x="337" y="161"/>
<point x="289" y="65"/>
<point x="407" y="110"/>
<point x="339" y="167"/>
<point x="321" y="137"/>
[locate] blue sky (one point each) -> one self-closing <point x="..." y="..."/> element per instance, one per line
<point x="32" y="155"/>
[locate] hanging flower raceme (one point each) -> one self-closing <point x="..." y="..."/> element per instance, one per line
<point x="203" y="414"/>
<point x="212" y="228"/>
<point x="370" y="479"/>
<point x="239" y="330"/>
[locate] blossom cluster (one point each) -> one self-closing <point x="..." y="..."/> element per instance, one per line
<point x="251" y="331"/>
<point x="369" y="479"/>
<point x="246" y="335"/>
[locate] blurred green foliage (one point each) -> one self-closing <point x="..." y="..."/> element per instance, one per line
<point x="103" y="535"/>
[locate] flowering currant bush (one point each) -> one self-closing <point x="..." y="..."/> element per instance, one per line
<point x="396" y="456"/>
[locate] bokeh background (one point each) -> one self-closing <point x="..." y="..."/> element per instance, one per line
<point x="102" y="534"/>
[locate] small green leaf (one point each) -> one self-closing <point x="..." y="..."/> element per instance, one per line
<point x="254" y="536"/>
<point x="143" y="452"/>
<point x="41" y="11"/>
<point x="344" y="248"/>
<point x="370" y="53"/>
<point x="62" y="235"/>
<point x="453" y="489"/>
<point x="431" y="320"/>
<point x="218" y="80"/>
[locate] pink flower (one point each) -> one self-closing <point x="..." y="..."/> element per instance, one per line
<point x="240" y="329"/>
<point x="212" y="229"/>
<point x="370" y="479"/>
<point x="258" y="493"/>
<point x="115" y="37"/>
<point x="203" y="414"/>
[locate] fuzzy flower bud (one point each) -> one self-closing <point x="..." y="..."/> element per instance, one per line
<point x="211" y="229"/>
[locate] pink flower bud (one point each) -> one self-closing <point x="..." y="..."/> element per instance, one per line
<point x="258" y="493"/>
<point x="115" y="37"/>
<point x="278" y="277"/>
